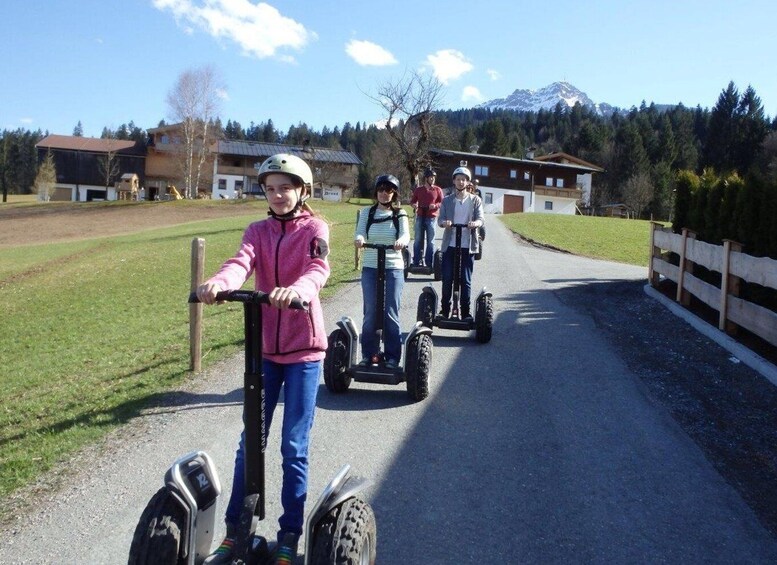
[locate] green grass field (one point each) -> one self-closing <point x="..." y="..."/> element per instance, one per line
<point x="96" y="329"/>
<point x="613" y="239"/>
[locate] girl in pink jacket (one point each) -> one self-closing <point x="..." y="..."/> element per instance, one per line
<point x="287" y="254"/>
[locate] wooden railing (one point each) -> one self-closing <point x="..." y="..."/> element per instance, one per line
<point x="734" y="267"/>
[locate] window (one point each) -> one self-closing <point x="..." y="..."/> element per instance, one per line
<point x="513" y="174"/>
<point x="236" y="163"/>
<point x="489" y="198"/>
<point x="548" y="205"/>
<point x="238" y="186"/>
<point x="526" y="175"/>
<point x="481" y="171"/>
<point x="222" y="184"/>
<point x="317" y="193"/>
<point x="256" y="188"/>
<point x="549" y="181"/>
<point x="560" y="183"/>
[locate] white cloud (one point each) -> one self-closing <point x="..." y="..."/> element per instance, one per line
<point x="222" y="94"/>
<point x="470" y="94"/>
<point x="259" y="29"/>
<point x="26" y="120"/>
<point x="367" y="53"/>
<point x="448" y="64"/>
<point x="494" y="74"/>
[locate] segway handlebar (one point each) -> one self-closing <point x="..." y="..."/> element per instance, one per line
<point x="379" y="246"/>
<point x="460" y="225"/>
<point x="248" y="297"/>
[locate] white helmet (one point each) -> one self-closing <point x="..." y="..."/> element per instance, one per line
<point x="462" y="171"/>
<point x="286" y="164"/>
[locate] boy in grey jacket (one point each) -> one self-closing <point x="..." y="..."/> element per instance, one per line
<point x="460" y="207"/>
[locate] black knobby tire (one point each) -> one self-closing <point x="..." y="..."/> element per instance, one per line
<point x="484" y="318"/>
<point x="157" y="537"/>
<point x="335" y="363"/>
<point x="418" y="366"/>
<point x="438" y="265"/>
<point x="425" y="311"/>
<point x="347" y="535"/>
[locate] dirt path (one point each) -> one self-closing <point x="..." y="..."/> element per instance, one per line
<point x="67" y="221"/>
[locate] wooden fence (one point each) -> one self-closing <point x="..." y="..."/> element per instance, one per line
<point x="734" y="267"/>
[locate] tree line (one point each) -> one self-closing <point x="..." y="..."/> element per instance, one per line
<point x="641" y="150"/>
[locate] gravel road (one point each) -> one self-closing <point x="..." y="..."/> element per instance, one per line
<point x="595" y="427"/>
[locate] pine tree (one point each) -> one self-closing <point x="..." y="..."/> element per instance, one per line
<point x="78" y="131"/>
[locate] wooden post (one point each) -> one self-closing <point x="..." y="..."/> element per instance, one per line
<point x="683" y="296"/>
<point x="195" y="310"/>
<point x="729" y="285"/>
<point x="653" y="276"/>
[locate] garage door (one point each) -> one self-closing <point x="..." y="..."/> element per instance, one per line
<point x="513" y="204"/>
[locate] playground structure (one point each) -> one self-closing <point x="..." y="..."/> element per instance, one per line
<point x="127" y="187"/>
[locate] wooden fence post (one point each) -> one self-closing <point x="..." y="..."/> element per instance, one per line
<point x="653" y="276"/>
<point x="683" y="296"/>
<point x="729" y="285"/>
<point x="195" y="310"/>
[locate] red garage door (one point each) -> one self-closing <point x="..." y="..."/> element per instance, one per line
<point x="513" y="204"/>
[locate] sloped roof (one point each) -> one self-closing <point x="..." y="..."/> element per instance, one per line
<point x="554" y="157"/>
<point x="93" y="144"/>
<point x="475" y="156"/>
<point x="263" y="150"/>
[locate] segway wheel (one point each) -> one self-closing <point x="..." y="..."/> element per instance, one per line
<point x="484" y="318"/>
<point x="157" y="538"/>
<point x="336" y="362"/>
<point x="346" y="535"/>
<point x="425" y="312"/>
<point x="406" y="259"/>
<point x="438" y="265"/>
<point x="418" y="367"/>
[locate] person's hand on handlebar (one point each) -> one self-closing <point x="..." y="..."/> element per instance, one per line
<point x="447" y="224"/>
<point x="358" y="242"/>
<point x="281" y="297"/>
<point x="207" y="292"/>
<point x="474" y="224"/>
<point x="398" y="246"/>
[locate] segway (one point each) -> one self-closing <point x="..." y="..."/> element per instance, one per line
<point x="177" y="525"/>
<point x="484" y="309"/>
<point x="341" y="364"/>
<point x="423" y="269"/>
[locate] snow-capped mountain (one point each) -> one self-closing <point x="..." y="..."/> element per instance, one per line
<point x="525" y="100"/>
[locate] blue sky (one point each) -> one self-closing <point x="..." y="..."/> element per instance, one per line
<point x="106" y="62"/>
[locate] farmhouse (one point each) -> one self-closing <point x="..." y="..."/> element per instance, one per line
<point x="335" y="171"/>
<point x="554" y="183"/>
<point x="88" y="168"/>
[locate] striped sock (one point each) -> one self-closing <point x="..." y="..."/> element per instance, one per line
<point x="284" y="556"/>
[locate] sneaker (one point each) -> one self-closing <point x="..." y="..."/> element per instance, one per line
<point x="391" y="364"/>
<point x="364" y="362"/>
<point x="286" y="552"/>
<point x="225" y="551"/>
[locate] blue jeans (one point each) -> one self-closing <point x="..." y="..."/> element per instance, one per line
<point x="465" y="280"/>
<point x="392" y="338"/>
<point x="300" y="386"/>
<point x="424" y="229"/>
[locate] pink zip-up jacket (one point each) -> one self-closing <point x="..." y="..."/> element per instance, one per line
<point x="292" y="254"/>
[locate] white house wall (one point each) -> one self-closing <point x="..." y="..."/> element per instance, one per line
<point x="498" y="198"/>
<point x="560" y="205"/>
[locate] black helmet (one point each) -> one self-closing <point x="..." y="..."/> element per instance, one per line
<point x="429" y="172"/>
<point x="387" y="179"/>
